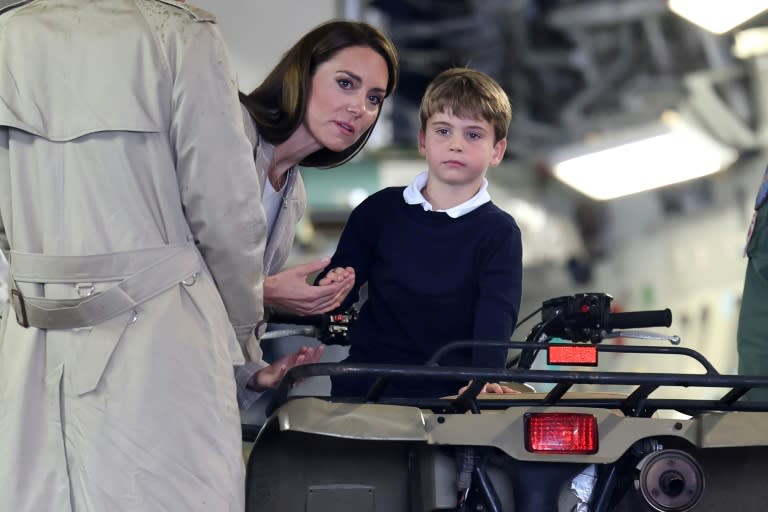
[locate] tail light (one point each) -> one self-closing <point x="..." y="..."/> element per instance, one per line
<point x="576" y="355"/>
<point x="561" y="433"/>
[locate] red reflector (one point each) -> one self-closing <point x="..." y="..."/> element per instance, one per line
<point x="576" y="355"/>
<point x="561" y="433"/>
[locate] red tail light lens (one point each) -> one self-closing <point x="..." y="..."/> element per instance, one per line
<point x="561" y="433"/>
<point x="577" y="355"/>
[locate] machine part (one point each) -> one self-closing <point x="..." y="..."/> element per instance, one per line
<point x="432" y="478"/>
<point x="646" y="446"/>
<point x="588" y="317"/>
<point x="671" y="480"/>
<point x="674" y="339"/>
<point x="487" y="491"/>
<point x="327" y="498"/>
<point x="582" y="486"/>
<point x="300" y="472"/>
<point x="466" y="460"/>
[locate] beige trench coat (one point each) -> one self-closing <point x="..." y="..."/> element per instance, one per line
<point x="120" y="134"/>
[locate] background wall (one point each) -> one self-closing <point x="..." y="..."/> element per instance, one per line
<point x="259" y="32"/>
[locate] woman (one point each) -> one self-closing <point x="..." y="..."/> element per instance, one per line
<point x="135" y="259"/>
<point x="316" y="108"/>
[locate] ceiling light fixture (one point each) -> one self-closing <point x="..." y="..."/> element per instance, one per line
<point x="752" y="42"/>
<point x="717" y="16"/>
<point x="644" y="158"/>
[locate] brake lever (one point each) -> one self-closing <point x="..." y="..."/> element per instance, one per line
<point x="297" y="331"/>
<point x="644" y="335"/>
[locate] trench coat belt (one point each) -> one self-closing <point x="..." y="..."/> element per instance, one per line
<point x="145" y="273"/>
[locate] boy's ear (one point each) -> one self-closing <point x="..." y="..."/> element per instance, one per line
<point x="422" y="143"/>
<point x="498" y="152"/>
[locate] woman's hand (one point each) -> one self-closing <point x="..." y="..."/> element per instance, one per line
<point x="290" y="291"/>
<point x="270" y="376"/>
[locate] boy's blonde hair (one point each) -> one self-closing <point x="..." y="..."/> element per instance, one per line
<point x="467" y="93"/>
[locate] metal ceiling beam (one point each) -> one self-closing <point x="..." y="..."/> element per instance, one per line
<point x="603" y="12"/>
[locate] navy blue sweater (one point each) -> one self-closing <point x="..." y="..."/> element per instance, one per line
<point x="432" y="279"/>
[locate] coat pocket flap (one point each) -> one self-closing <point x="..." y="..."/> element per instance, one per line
<point x="96" y="353"/>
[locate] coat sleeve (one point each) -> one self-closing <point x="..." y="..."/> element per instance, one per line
<point x="217" y="178"/>
<point x="5" y="174"/>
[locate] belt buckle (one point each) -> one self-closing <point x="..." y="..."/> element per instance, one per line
<point x="21" y="311"/>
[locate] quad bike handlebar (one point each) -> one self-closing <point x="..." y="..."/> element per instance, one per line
<point x="329" y="328"/>
<point x="588" y="317"/>
<point x="585" y="317"/>
<point x="581" y="317"/>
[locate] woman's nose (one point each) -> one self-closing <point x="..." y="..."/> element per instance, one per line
<point x="356" y="106"/>
<point x="353" y="109"/>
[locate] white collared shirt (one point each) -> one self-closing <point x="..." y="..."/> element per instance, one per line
<point x="412" y="195"/>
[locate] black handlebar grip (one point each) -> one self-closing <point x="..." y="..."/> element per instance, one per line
<point x="290" y="319"/>
<point x="636" y="319"/>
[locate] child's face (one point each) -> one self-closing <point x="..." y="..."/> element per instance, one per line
<point x="459" y="150"/>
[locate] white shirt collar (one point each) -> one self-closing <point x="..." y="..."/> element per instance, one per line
<point x="412" y="195"/>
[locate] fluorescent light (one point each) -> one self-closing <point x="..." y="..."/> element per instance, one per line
<point x="668" y="152"/>
<point x="718" y="16"/>
<point x="751" y="42"/>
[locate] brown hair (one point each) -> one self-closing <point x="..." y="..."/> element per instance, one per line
<point x="467" y="93"/>
<point x="279" y="104"/>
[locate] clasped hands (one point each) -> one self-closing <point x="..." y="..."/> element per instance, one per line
<point x="290" y="290"/>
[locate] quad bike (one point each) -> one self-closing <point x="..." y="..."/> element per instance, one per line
<point x="556" y="451"/>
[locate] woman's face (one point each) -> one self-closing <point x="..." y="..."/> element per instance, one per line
<point x="346" y="95"/>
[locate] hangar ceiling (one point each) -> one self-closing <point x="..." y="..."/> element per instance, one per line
<point x="575" y="67"/>
<point x="580" y="69"/>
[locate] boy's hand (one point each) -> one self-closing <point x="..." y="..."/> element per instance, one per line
<point x="493" y="387"/>
<point x="289" y="289"/>
<point x="270" y="376"/>
<point x="342" y="275"/>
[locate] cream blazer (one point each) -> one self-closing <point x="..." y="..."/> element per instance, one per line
<point x="280" y="240"/>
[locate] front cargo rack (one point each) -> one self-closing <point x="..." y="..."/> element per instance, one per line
<point x="636" y="403"/>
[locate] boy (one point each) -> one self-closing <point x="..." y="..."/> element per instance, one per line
<point x="441" y="261"/>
